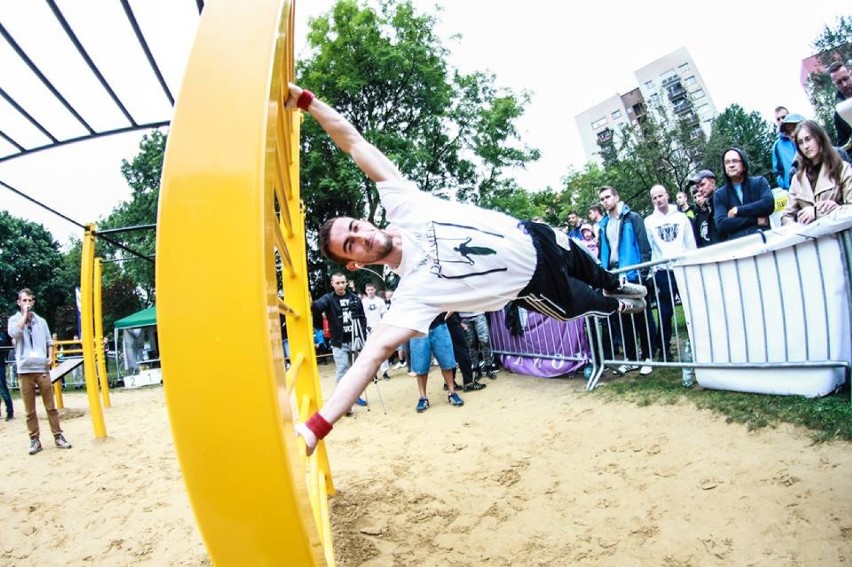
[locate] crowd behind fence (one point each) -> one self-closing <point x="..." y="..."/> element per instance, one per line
<point x="785" y="307"/>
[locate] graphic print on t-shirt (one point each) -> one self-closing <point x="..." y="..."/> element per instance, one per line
<point x="668" y="232"/>
<point x="460" y="251"/>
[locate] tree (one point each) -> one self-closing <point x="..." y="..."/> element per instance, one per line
<point x="143" y="176"/>
<point x="663" y="149"/>
<point x="385" y="70"/>
<point x="833" y="44"/>
<point x="749" y="131"/>
<point x="29" y="257"/>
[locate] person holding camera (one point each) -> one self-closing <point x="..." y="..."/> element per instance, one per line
<point x="33" y="353"/>
<point x="347" y="323"/>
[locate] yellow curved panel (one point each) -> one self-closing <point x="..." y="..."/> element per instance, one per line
<point x="230" y="260"/>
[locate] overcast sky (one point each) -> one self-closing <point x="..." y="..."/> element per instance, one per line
<point x="748" y="53"/>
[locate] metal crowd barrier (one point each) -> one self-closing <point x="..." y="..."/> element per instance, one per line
<point x="786" y="308"/>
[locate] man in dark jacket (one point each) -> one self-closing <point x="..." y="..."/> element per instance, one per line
<point x="703" y="185"/>
<point x="347" y="324"/>
<point x="841" y="78"/>
<point x="743" y="204"/>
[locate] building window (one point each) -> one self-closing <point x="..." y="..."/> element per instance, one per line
<point x="698" y="94"/>
<point x="683" y="68"/>
<point x="649" y="85"/>
<point x="599" y="123"/>
<point x="654" y="99"/>
<point x="616" y="115"/>
<point x="689" y="81"/>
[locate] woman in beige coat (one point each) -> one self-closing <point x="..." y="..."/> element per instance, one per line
<point x="823" y="181"/>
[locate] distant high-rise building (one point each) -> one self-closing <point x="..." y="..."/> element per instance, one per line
<point x="673" y="81"/>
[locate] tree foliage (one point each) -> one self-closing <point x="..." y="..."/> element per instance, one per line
<point x="833" y="44"/>
<point x="29" y="257"/>
<point x="384" y="68"/>
<point x="143" y="174"/>
<point x="749" y="131"/>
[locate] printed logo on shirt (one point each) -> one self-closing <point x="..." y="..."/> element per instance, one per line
<point x="668" y="232"/>
<point x="460" y="251"/>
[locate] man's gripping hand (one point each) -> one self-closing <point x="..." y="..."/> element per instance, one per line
<point x="293" y="94"/>
<point x="309" y="437"/>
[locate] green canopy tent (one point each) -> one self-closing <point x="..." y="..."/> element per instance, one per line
<point x="144" y="318"/>
<point x="139" y="339"/>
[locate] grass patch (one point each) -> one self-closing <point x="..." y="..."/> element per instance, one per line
<point x="828" y="418"/>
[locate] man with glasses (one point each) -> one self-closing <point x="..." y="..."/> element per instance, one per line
<point x="33" y="353"/>
<point x="743" y="204"/>
<point x="703" y="185"/>
<point x="842" y="80"/>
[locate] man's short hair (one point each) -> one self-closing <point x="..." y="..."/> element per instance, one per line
<point x="597" y="209"/>
<point x="780" y="108"/>
<point x="26" y="291"/>
<point x="337" y="275"/>
<point x="325" y="242"/>
<point x="608" y="188"/>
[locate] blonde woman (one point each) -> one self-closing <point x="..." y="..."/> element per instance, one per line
<point x="823" y="181"/>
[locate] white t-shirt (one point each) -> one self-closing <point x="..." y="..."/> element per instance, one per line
<point x="670" y="234"/>
<point x="455" y="256"/>
<point x="373" y="310"/>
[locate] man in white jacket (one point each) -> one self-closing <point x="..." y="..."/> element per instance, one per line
<point x="670" y="234"/>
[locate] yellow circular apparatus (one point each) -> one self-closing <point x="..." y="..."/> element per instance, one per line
<point x="231" y="261"/>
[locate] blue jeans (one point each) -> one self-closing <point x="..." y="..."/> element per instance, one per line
<point x="437" y="342"/>
<point x="4" y="389"/>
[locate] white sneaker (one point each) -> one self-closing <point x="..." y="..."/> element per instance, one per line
<point x="625" y="368"/>
<point x="627" y="289"/>
<point x="645" y="370"/>
<point x="399" y="365"/>
<point x="629" y="305"/>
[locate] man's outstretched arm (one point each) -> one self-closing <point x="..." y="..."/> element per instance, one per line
<point x="381" y="343"/>
<point x="368" y="158"/>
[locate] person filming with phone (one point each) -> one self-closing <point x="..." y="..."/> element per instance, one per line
<point x="33" y="353"/>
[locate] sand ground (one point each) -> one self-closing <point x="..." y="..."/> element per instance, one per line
<point x="529" y="472"/>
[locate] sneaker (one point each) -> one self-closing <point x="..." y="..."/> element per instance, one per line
<point x="446" y="388"/>
<point x="385" y="376"/>
<point x="10" y="417"/>
<point x="455" y="400"/>
<point x="474" y="386"/>
<point x="627" y="289"/>
<point x="625" y="368"/>
<point x="61" y="442"/>
<point x="361" y="402"/>
<point x="645" y="370"/>
<point x="399" y="365"/>
<point x="628" y="305"/>
<point x="422" y="405"/>
<point x="35" y="446"/>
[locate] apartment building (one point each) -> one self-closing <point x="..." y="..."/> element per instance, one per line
<point x="673" y="81"/>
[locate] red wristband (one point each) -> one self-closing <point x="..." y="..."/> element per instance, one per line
<point x="318" y="426"/>
<point x="305" y="99"/>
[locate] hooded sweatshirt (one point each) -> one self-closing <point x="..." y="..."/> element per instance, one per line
<point x="32" y="344"/>
<point x="757" y="201"/>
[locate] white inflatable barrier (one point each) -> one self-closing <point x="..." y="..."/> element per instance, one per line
<point x="778" y="302"/>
